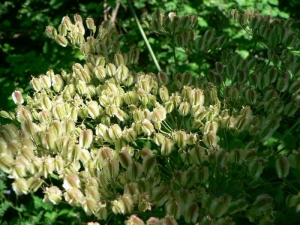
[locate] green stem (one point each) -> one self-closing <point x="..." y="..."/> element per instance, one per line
<point x="286" y="133"/>
<point x="290" y="185"/>
<point x="144" y="36"/>
<point x="175" y="59"/>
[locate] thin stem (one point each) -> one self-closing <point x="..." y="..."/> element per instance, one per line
<point x="286" y="133"/>
<point x="114" y="13"/>
<point x="144" y="36"/>
<point x="175" y="59"/>
<point x="290" y="185"/>
<point x="166" y="125"/>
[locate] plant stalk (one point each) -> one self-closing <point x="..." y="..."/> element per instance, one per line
<point x="144" y="36"/>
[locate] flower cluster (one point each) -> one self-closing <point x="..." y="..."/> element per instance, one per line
<point x="122" y="141"/>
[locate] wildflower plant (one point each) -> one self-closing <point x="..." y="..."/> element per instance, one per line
<point x="161" y="148"/>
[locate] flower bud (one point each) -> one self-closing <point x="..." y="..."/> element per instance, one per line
<point x="74" y="196"/>
<point x="263" y="202"/>
<point x="101" y="214"/>
<point x="110" y="69"/>
<point x="93" y="109"/>
<point x="118" y="207"/>
<point x="231" y="70"/>
<point x="283" y="82"/>
<point x="100" y="72"/>
<point x="24" y="114"/>
<point x="153" y="221"/>
<point x="133" y="56"/>
<point x="295" y="87"/>
<point x="27" y="152"/>
<point x="294" y="159"/>
<point x="180" y="40"/>
<point x="85" y="138"/>
<point x="89" y="205"/>
<point x="237" y="156"/>
<point x="191" y="213"/>
<point x="181" y="139"/>
<point x="122" y="73"/>
<point x="115" y="132"/>
<point x="147" y="127"/>
<point x="62" y="30"/>
<point x="219" y="67"/>
<point x="81" y="87"/>
<point x="51" y="31"/>
<point x="59" y="164"/>
<point x="159" y="192"/>
<point x="149" y="165"/>
<point x="210" y="139"/>
<point x="74" y="154"/>
<point x="291" y="108"/>
<point x="169" y="106"/>
<point x="129" y="135"/>
<point x="125" y="159"/>
<point x="61" y="40"/>
<point x="221" y="41"/>
<point x="167" y="146"/>
<point x="184" y="108"/>
<point x="163" y="77"/>
<point x="46" y="102"/>
<point x="282" y="167"/>
<point x="173" y="208"/>
<point x="6" y="162"/>
<point x="251" y="96"/>
<point x="164" y="93"/>
<point x="128" y="203"/>
<point x="58" y="110"/>
<point x="134" y="220"/>
<point x="20" y="186"/>
<point x="17" y="98"/>
<point x="255" y="168"/>
<point x="159" y="114"/>
<point x="197" y="154"/>
<point x="18" y="169"/>
<point x="112" y="168"/>
<point x="84" y="75"/>
<point x="28" y="126"/>
<point x="135" y="171"/>
<point x="45" y="116"/>
<point x="71" y="181"/>
<point x="48" y="166"/>
<point x="79" y="27"/>
<point x="235" y="14"/>
<point x="90" y="24"/>
<point x="45" y="81"/>
<point x="120" y="60"/>
<point x="34" y="183"/>
<point x="210" y="126"/>
<point x="7" y="115"/>
<point x="213" y="94"/>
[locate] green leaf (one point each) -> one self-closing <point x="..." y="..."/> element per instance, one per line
<point x="3" y="208"/>
<point x="243" y="53"/>
<point x="202" y="22"/>
<point x="51" y="216"/>
<point x="273" y="2"/>
<point x="39" y="204"/>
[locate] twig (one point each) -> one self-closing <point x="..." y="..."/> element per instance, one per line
<point x="105" y="10"/>
<point x="144" y="36"/>
<point x="114" y="13"/>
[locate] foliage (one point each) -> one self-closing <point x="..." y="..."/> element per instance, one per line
<point x="168" y="147"/>
<point x="22" y="21"/>
<point x="34" y="211"/>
